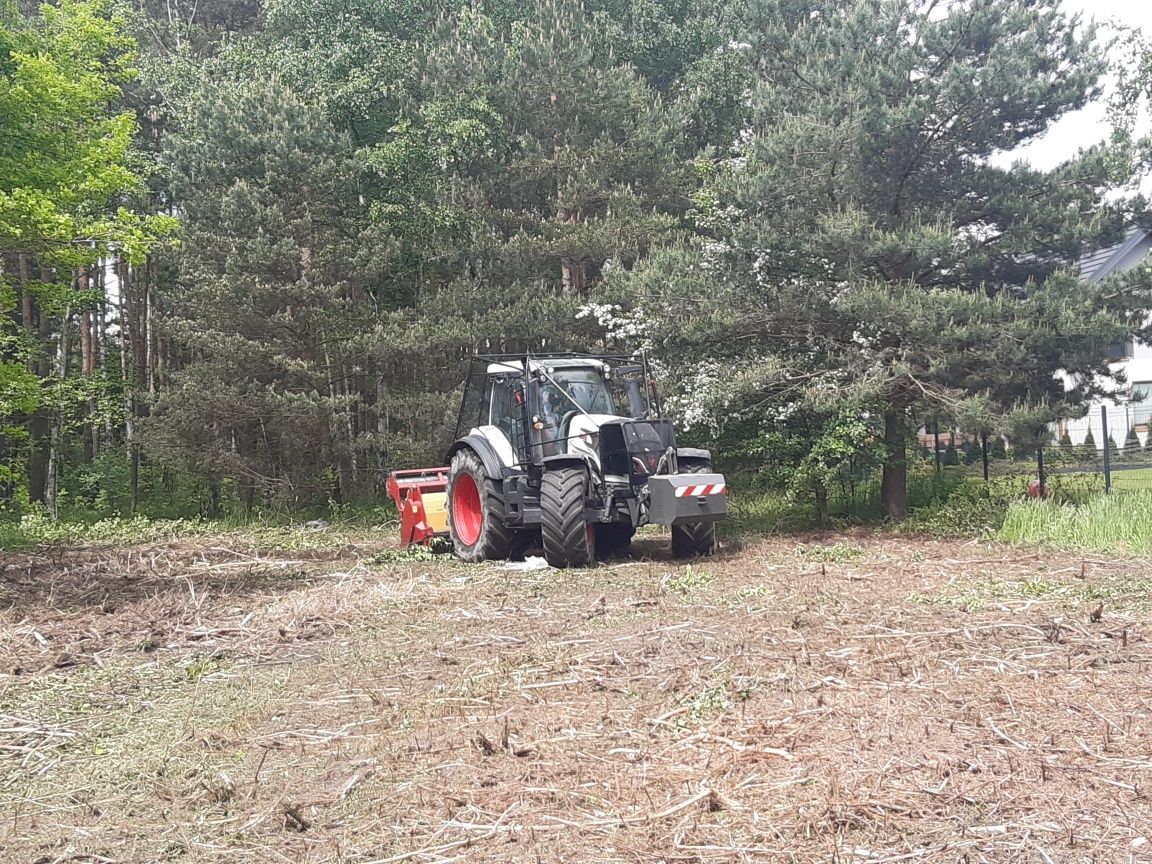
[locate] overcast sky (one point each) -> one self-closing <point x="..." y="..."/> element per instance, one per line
<point x="1087" y="127"/>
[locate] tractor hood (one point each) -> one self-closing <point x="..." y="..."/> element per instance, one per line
<point x="622" y="446"/>
<point x="584" y="434"/>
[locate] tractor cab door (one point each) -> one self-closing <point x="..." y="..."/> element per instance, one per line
<point x="506" y="414"/>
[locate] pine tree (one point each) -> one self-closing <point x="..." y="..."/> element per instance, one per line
<point x="1066" y="446"/>
<point x="273" y="298"/>
<point x="951" y="457"/>
<point x="865" y="252"/>
<point x="563" y="160"/>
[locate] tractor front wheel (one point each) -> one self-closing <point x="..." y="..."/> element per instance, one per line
<point x="569" y="540"/>
<point x="695" y="539"/>
<point x="474" y="511"/>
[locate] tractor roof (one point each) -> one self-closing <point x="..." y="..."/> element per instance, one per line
<point x="503" y="367"/>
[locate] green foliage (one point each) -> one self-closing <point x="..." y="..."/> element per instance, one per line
<point x="996" y="448"/>
<point x="970" y="508"/>
<point x="19" y="390"/>
<point x="267" y="303"/>
<point x="686" y="580"/>
<point x="63" y="146"/>
<point x="38" y="529"/>
<point x="791" y="205"/>
<point x="841" y="441"/>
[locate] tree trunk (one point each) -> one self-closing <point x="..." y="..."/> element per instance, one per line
<point x="149" y="333"/>
<point x="894" y="481"/>
<point x="821" y="492"/>
<point x="127" y="333"/>
<point x="26" y="305"/>
<point x="335" y="419"/>
<point x="87" y="352"/>
<point x="350" y="407"/>
<point x="52" y="488"/>
<point x="85" y="281"/>
<point x="40" y="423"/>
<point x="381" y="449"/>
<point x="574" y="276"/>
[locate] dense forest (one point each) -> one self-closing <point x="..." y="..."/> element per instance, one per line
<point x="246" y="246"/>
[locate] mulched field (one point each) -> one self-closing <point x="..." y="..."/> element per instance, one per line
<point x="870" y="698"/>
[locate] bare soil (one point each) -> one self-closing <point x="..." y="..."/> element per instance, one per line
<point x="862" y="699"/>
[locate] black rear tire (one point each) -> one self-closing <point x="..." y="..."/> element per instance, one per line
<point x="569" y="540"/>
<point x="695" y="539"/>
<point x="475" y="524"/>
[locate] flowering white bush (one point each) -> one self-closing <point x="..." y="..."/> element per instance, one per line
<point x="630" y="328"/>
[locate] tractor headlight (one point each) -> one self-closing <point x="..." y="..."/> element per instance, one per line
<point x="592" y="439"/>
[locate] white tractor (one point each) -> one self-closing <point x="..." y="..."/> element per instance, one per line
<point x="563" y="451"/>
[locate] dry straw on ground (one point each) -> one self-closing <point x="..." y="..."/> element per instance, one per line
<point x="874" y="700"/>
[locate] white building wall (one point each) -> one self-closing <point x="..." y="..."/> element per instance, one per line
<point x="1122" y="415"/>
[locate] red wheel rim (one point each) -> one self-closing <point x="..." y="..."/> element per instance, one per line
<point x="466" y="513"/>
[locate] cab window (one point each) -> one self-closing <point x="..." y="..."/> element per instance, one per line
<point x="505" y="413"/>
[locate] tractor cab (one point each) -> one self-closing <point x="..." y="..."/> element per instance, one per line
<point x="557" y="408"/>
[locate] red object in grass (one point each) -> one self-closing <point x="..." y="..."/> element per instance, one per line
<point x="1034" y="489"/>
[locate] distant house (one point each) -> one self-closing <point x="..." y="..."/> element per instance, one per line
<point x="1134" y="358"/>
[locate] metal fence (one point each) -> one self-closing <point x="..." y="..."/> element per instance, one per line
<point x="1114" y="442"/>
<point x="1109" y="449"/>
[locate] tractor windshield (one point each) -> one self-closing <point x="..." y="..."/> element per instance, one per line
<point x="577" y="387"/>
<point x="567" y="392"/>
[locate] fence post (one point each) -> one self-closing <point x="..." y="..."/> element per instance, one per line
<point x="1107" y="449"/>
<point x="984" y="453"/>
<point x="1043" y="477"/>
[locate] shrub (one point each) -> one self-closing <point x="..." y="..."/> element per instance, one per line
<point x="996" y="448"/>
<point x="971" y="507"/>
<point x="974" y="453"/>
<point x="1087" y="450"/>
<point x="1131" y="443"/>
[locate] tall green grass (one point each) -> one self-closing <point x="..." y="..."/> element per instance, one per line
<point x="1105" y="523"/>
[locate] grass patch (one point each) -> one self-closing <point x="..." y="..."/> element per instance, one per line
<point x="765" y="511"/>
<point x="838" y="553"/>
<point x="1106" y="523"/>
<point x="1132" y="480"/>
<point x="1133" y="593"/>
<point x="36" y="529"/>
<point x="686" y="580"/>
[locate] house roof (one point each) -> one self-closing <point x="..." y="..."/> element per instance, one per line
<point x="1104" y="262"/>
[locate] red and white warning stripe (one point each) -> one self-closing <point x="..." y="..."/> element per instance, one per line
<point x="707" y="489"/>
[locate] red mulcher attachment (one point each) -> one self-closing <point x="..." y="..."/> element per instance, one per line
<point x="421" y="497"/>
